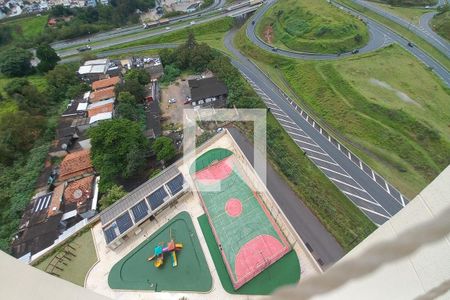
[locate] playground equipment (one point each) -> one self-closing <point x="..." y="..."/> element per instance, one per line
<point x="159" y="251"/>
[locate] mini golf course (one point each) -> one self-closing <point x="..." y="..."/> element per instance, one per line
<point x="286" y="271"/>
<point x="134" y="272"/>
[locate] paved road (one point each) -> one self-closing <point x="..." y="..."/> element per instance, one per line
<point x="380" y="36"/>
<point x="106" y="43"/>
<point x="321" y="243"/>
<point x="425" y="26"/>
<point x="367" y="190"/>
<point x="115" y="33"/>
<point x="428" y="35"/>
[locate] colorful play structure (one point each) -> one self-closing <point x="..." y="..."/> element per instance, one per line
<point x="159" y="251"/>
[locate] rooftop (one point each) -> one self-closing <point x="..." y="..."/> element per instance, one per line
<point x="206" y="88"/>
<point x="103" y="94"/>
<point x="100" y="117"/>
<point x="78" y="194"/>
<point x="104" y="83"/>
<point x="75" y="164"/>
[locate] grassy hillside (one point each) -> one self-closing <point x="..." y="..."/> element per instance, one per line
<point x="25" y="28"/>
<point x="385" y="106"/>
<point x="411" y="14"/>
<point x="408" y="2"/>
<point x="441" y="24"/>
<point x="311" y="26"/>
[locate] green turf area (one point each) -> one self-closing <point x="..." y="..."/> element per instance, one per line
<point x="410" y="14"/>
<point x="248" y="227"/>
<point x="403" y="31"/>
<point x="77" y="268"/>
<point x="38" y="81"/>
<point x="407" y="3"/>
<point x="385" y="106"/>
<point x="26" y="27"/>
<point x="441" y="24"/>
<point x="134" y="272"/>
<point x="285" y="271"/>
<point x="311" y="26"/>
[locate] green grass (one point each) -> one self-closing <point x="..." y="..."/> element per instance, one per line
<point x="409" y="3"/>
<point x="411" y="14"/>
<point x="134" y="272"/>
<point x="285" y="271"/>
<point x="441" y="24"/>
<point x="76" y="269"/>
<point x="407" y="143"/>
<point x="403" y="31"/>
<point x="312" y="26"/>
<point x="27" y="27"/>
<point x="37" y="80"/>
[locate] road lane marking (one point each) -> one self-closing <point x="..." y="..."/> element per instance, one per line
<point x="362" y="198"/>
<point x="335" y="172"/>
<point x="347" y="184"/>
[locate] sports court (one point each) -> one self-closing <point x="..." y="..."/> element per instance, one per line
<point x="247" y="235"/>
<point x="134" y="272"/>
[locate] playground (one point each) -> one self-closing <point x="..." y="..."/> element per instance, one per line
<point x="246" y="234"/>
<point x="139" y="270"/>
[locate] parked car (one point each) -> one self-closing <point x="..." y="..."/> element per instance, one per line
<point x="355" y="51"/>
<point x="84" y="48"/>
<point x="172" y="101"/>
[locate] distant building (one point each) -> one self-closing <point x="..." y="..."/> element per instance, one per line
<point x="208" y="92"/>
<point x="100" y="117"/>
<point x="106" y="83"/>
<point x="97" y="69"/>
<point x="193" y="7"/>
<point x="105" y="106"/>
<point x="75" y="165"/>
<point x="152" y="65"/>
<point x="103" y="94"/>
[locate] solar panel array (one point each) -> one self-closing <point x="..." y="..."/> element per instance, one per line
<point x="141" y="203"/>
<point x="42" y="202"/>
<point x="175" y="185"/>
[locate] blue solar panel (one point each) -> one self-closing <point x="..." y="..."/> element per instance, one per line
<point x="110" y="234"/>
<point x="157" y="198"/>
<point x="124" y="222"/>
<point x="176" y="184"/>
<point x="140" y="211"/>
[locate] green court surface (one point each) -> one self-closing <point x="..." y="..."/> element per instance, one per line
<point x="285" y="271"/>
<point x="134" y="272"/>
<point x="246" y="232"/>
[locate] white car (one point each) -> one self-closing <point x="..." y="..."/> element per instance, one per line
<point x="173" y="100"/>
<point x="167" y="28"/>
<point x="192" y="22"/>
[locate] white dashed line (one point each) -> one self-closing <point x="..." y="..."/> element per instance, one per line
<point x="314" y="145"/>
<point x="352" y="186"/>
<point x="325" y="161"/>
<point x="363" y="199"/>
<point x="339" y="173"/>
<point x="374" y="212"/>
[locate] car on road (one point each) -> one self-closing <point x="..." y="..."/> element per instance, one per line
<point x="410" y="44"/>
<point x="167" y="28"/>
<point x="355" y="51"/>
<point x="253" y="22"/>
<point x="84" y="48"/>
<point x="192" y="23"/>
<point x="172" y="101"/>
<point x="274" y="49"/>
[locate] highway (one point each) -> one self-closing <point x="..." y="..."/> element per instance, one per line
<point x="423" y="30"/>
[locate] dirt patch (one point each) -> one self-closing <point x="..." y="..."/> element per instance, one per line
<point x="268" y="34"/>
<point x="402" y="96"/>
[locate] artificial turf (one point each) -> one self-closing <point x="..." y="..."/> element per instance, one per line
<point x="134" y="272"/>
<point x="285" y="271"/>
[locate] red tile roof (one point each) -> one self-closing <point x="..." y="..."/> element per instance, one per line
<point x="102" y="94"/>
<point x="105" y="83"/>
<point x="75" y="164"/>
<point x="53" y="209"/>
<point x="79" y="191"/>
<point x="100" y="109"/>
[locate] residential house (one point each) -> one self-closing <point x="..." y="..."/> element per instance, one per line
<point x="103" y="94"/>
<point x="97" y="69"/>
<point x="105" y="106"/>
<point x="208" y="92"/>
<point x="100" y="117"/>
<point x="75" y="164"/>
<point x="105" y="83"/>
<point x="152" y="65"/>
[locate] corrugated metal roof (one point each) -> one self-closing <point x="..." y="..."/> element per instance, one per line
<point x="138" y="194"/>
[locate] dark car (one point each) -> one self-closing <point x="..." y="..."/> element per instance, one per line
<point x="84" y="48"/>
<point x="355" y="51"/>
<point x="253" y="22"/>
<point x="275" y="49"/>
<point x="410" y="44"/>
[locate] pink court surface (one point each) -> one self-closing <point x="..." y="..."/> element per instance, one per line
<point x="247" y="235"/>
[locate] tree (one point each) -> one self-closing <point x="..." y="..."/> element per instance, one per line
<point x="115" y="192"/>
<point x="127" y="107"/>
<point x="48" y="58"/>
<point x="15" y="62"/>
<point x="138" y="74"/>
<point x="133" y="87"/>
<point x="170" y="73"/>
<point x="5" y="34"/>
<point x="63" y="83"/>
<point x="164" y="149"/>
<point x="112" y="141"/>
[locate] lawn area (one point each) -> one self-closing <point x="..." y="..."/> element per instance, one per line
<point x="38" y="81"/>
<point x="311" y="26"/>
<point x="411" y="14"/>
<point x="76" y="270"/>
<point x="27" y="27"/>
<point x="285" y="271"/>
<point x="134" y="272"/>
<point x="385" y="106"/>
<point x="403" y="31"/>
<point x="441" y="24"/>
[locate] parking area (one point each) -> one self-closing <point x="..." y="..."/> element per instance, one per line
<point x="173" y="98"/>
